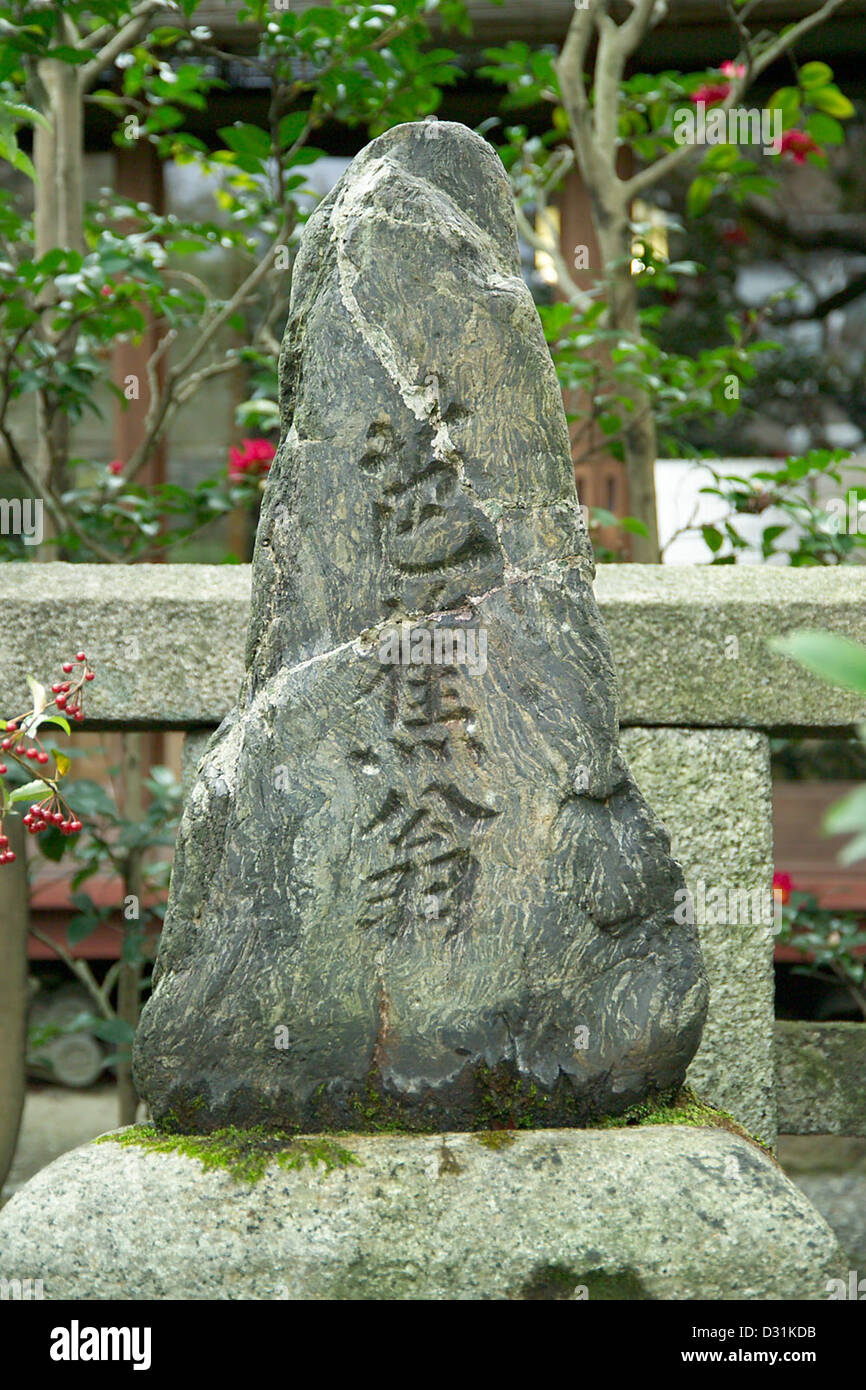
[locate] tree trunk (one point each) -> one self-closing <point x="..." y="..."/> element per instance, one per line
<point x="14" y="994"/>
<point x="639" y="426"/>
<point x="58" y="156"/>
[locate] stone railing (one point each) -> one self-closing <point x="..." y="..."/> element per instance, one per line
<point x="700" y="691"/>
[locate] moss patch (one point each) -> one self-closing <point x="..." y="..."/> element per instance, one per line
<point x="682" y="1107"/>
<point x="243" y="1153"/>
<point x="495" y="1138"/>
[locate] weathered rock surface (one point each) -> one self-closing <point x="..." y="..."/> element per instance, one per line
<point x="667" y="1212"/>
<point x="408" y="890"/>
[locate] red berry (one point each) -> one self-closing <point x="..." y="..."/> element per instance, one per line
<point x="11" y="726"/>
<point x="6" y="744"/>
<point x="79" y="714"/>
<point x="10" y="855"/>
<point x="42" y="758"/>
<point x="76" y="826"/>
<point x="60" y="701"/>
<point x="4" y="841"/>
<point x="3" y="769"/>
<point x="67" y="667"/>
<point x="55" y="689"/>
<point x="30" y="753"/>
<point x="90" y="675"/>
<point x="80" y="656"/>
<point x="68" y="685"/>
<point x="27" y="818"/>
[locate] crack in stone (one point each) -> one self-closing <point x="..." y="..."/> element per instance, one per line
<point x="363" y="641"/>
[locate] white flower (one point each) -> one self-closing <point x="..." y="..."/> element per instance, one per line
<point x="124" y="60"/>
<point x="201" y="31"/>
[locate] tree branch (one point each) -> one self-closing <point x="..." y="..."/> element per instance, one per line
<point x="782" y="43"/>
<point x="125" y="38"/>
<point x="79" y="969"/>
<point x="163" y="406"/>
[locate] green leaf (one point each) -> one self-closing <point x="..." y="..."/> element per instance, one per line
<point x="699" y="195"/>
<point x="91" y="800"/>
<point x="22" y="112"/>
<point x="714" y="539"/>
<point x="825" y="129"/>
<point x="814" y="75"/>
<point x="831" y="100"/>
<point x="28" y="791"/>
<point x="787" y="100"/>
<point x="248" y="140"/>
<point x="80" y="927"/>
<point x="59" y="720"/>
<point x="291" y="126"/>
<point x="115" y="1030"/>
<point x="835" y="659"/>
<point x="846" y="815"/>
<point x="853" y="852"/>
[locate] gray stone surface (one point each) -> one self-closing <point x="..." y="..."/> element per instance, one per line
<point x="165" y="640"/>
<point x="707" y="629"/>
<point x="669" y="1212"/>
<point x="820" y="1070"/>
<point x="712" y="789"/>
<point x="428" y="885"/>
<point x="841" y="1200"/>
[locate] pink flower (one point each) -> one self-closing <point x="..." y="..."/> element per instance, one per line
<point x="798" y="144"/>
<point x="782" y="885"/>
<point x="711" y="92"/>
<point x="254" y="457"/>
<point x="106" y="291"/>
<point x="733" y="69"/>
<point x="116" y="466"/>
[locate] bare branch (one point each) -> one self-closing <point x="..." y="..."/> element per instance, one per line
<point x="569" y="287"/>
<point x="164" y="404"/>
<point x="79" y="968"/>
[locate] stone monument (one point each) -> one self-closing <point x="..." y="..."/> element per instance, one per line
<point x="416" y="887"/>
<point x="414" y="871"/>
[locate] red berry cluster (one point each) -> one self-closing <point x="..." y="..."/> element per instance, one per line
<point x="67" y="698"/>
<point x="52" y="810"/>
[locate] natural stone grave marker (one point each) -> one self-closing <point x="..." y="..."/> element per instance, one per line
<point x="415" y="882"/>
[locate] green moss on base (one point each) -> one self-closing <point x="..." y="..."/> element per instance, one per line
<point x="495" y="1138"/>
<point x="681" y="1107"/>
<point x="243" y="1153"/>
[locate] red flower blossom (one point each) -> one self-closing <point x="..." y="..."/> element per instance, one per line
<point x="116" y="466"/>
<point x="253" y="458"/>
<point x="782" y="886"/>
<point x="798" y="144"/>
<point x="735" y="235"/>
<point x="711" y="92"/>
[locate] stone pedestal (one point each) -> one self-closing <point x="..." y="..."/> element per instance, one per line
<point x="653" y="1212"/>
